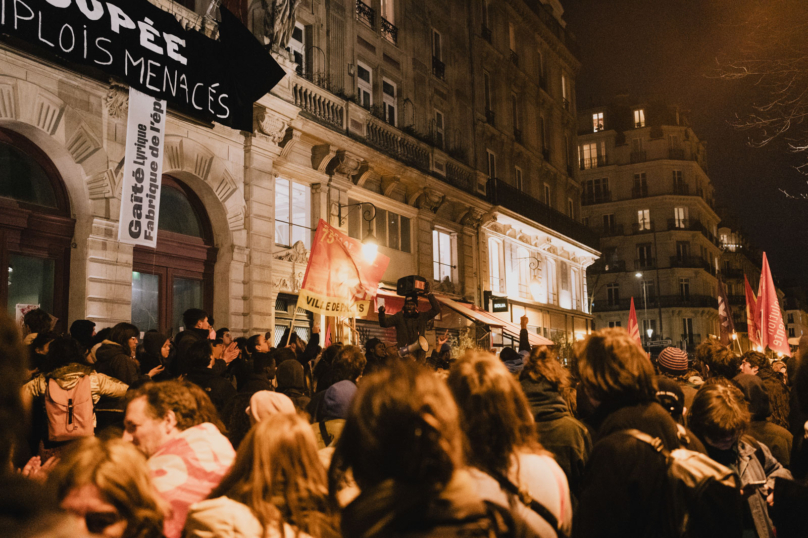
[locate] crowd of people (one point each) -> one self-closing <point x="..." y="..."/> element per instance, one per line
<point x="204" y="435"/>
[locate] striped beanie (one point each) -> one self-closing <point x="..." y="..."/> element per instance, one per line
<point x="673" y="359"/>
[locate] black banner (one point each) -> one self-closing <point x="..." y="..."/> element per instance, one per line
<point x="149" y="49"/>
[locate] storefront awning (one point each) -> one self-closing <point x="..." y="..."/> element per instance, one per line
<point x="481" y="316"/>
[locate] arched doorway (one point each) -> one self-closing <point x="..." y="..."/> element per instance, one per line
<point x="36" y="230"/>
<point x="178" y="274"/>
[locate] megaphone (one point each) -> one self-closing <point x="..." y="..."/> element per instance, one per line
<point x="415" y="346"/>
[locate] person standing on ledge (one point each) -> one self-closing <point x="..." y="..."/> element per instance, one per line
<point x="410" y="323"/>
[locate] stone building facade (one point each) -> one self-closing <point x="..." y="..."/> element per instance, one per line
<point x="383" y="103"/>
<point x="647" y="193"/>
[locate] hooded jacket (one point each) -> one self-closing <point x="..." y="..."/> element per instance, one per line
<point x="219" y="389"/>
<point x="183" y="342"/>
<point x="559" y="432"/>
<point x="291" y="380"/>
<point x="776" y="438"/>
<point x="112" y="359"/>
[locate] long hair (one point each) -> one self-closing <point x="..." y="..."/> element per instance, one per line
<point x="494" y="412"/>
<point x="278" y="475"/>
<point x="718" y="411"/>
<point x="543" y="364"/>
<point x="120" y="473"/>
<point x="121" y="333"/>
<point x="403" y="425"/>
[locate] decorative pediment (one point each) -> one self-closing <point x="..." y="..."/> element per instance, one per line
<point x="270" y="125"/>
<point x="345" y="163"/>
<point x="473" y="218"/>
<point x="428" y="199"/>
<point x="296" y="254"/>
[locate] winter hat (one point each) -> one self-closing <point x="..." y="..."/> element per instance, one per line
<point x="673" y="360"/>
<point x="153" y="343"/>
<point x="755" y="392"/>
<point x="337" y="400"/>
<point x="265" y="403"/>
<point x="670" y="396"/>
<point x="290" y="375"/>
<point x="82" y="331"/>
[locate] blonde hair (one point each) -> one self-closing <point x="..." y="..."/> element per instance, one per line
<point x="279" y="476"/>
<point x="119" y="471"/>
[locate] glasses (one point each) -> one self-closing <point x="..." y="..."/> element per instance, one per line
<point x="97" y="522"/>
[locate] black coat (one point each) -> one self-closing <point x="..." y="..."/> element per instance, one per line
<point x="409" y="329"/>
<point x="220" y="390"/>
<point x="114" y="361"/>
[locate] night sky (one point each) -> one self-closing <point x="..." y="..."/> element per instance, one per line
<point x="667" y="49"/>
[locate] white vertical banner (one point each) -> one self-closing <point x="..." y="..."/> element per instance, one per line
<point x="143" y="170"/>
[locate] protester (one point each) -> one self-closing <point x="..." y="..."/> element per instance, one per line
<point x="106" y="486"/>
<point x="544" y="381"/>
<point x="292" y="383"/>
<point x="187" y="457"/>
<point x="83" y="330"/>
<point x="333" y="412"/>
<point x="199" y="359"/>
<point x="376" y="355"/>
<point x="257" y="343"/>
<point x="620" y="494"/>
<point x="117" y="358"/>
<point x="156" y="353"/>
<point x="275" y="489"/>
<point x="410" y="323"/>
<point x="264" y="404"/>
<point x="719" y="417"/>
<point x="756" y="363"/>
<point x="403" y="442"/>
<point x="776" y="438"/>
<point x="718" y="359"/>
<point x="38" y="350"/>
<point x="197" y="328"/>
<point x="224" y="335"/>
<point x="322" y="370"/>
<point x="441" y="357"/>
<point x="504" y="450"/>
<point x="672" y="363"/>
<point x="34" y="322"/>
<point x="348" y="366"/>
<point x="262" y="375"/>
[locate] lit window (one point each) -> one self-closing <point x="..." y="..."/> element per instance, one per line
<point x="442" y="257"/>
<point x="389" y="101"/>
<point x="644" y="219"/>
<point x="680" y="217"/>
<point x="597" y="122"/>
<point x="365" y="82"/>
<point x="292" y="213"/>
<point x="494" y="263"/>
<point x="588" y="155"/>
<point x="439" y="129"/>
<point x="389" y="229"/>
<point x="297" y="46"/>
<point x="639" y="118"/>
<point x="388" y="11"/>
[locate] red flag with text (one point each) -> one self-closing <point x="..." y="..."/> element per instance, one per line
<point x="726" y="325"/>
<point x="339" y="281"/>
<point x="772" y="329"/>
<point x="752" y="314"/>
<point x="633" y="326"/>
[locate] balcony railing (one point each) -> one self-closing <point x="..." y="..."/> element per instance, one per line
<point x="490" y="117"/>
<point x="438" y="68"/>
<point x="391" y="141"/>
<point x="676" y="154"/>
<point x="645" y="263"/>
<point x="319" y="104"/>
<point x="658" y="301"/>
<point x="615" y="230"/>
<point x="509" y="197"/>
<point x="514" y="59"/>
<point x="638" y="157"/>
<point x="692" y="262"/>
<point x="615" y="266"/>
<point x="732" y="273"/>
<point x="597" y="197"/>
<point x="678" y="224"/>
<point x="639" y="192"/>
<point x="365" y="13"/>
<point x="486" y="33"/>
<point x="681" y="189"/>
<point x="593" y="162"/>
<point x="642" y="228"/>
<point x="389" y="31"/>
<point x="517" y="135"/>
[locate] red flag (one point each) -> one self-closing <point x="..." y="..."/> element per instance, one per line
<point x="339" y="281"/>
<point x="752" y="314"/>
<point x="633" y="326"/>
<point x="726" y="325"/>
<point x="772" y="329"/>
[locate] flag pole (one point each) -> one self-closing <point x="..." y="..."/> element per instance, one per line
<point x="292" y="326"/>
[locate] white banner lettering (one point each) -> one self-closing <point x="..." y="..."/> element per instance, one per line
<point x="143" y="170"/>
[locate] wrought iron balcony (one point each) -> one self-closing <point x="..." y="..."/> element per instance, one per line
<point x="601" y="266"/>
<point x="365" y="13"/>
<point x="389" y="31"/>
<point x="681" y="189"/>
<point x="639" y="192"/>
<point x="642" y="228"/>
<point x="593" y="162"/>
<point x="645" y="263"/>
<point x="486" y="33"/>
<point x="638" y="157"/>
<point x="692" y="262"/>
<point x="438" y="68"/>
<point x="596" y="197"/>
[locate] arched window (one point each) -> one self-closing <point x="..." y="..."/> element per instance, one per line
<point x="36" y="230"/>
<point x="178" y="274"/>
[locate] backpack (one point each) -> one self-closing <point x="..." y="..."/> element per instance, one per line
<point x="702" y="495"/>
<point x="70" y="412"/>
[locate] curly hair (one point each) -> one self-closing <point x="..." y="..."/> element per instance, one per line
<point x="614" y="368"/>
<point x="494" y="412"/>
<point x="756" y="358"/>
<point x="718" y="411"/>
<point x="177" y="396"/>
<point x="37" y="321"/>
<point x="720" y="359"/>
<point x="119" y="471"/>
<point x="544" y="364"/>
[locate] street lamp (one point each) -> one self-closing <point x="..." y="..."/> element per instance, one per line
<point x="535" y="287"/>
<point x="648" y="331"/>
<point x="370" y="247"/>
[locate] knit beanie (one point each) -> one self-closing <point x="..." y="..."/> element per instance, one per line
<point x="673" y="360"/>
<point x="290" y="375"/>
<point x="337" y="400"/>
<point x="265" y="403"/>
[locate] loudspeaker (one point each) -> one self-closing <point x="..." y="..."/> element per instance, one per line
<point x="415" y="346"/>
<point x="410" y="285"/>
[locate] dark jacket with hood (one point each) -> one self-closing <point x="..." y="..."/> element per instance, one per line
<point x="559" y="432"/>
<point x="182" y="343"/>
<point x="220" y="390"/>
<point x="408" y="329"/>
<point x="776" y="438"/>
<point x="292" y="383"/>
<point x="113" y="360"/>
<point x="152" y="355"/>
